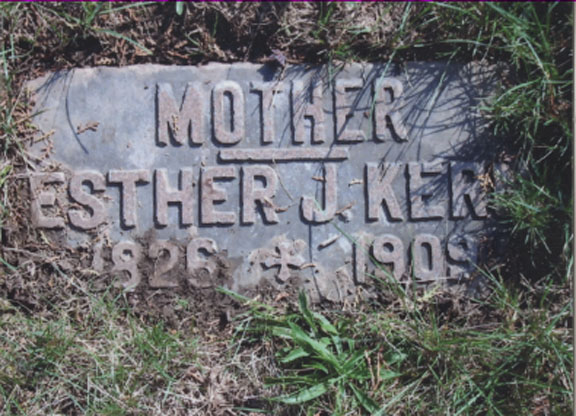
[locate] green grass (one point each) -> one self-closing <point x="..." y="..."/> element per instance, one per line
<point x="320" y="359"/>
<point x="104" y="362"/>
<point x="532" y="111"/>
<point x="416" y="361"/>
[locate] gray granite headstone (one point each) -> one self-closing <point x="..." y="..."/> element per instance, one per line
<point x="320" y="177"/>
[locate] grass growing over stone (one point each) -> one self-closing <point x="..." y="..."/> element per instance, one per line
<point x="66" y="348"/>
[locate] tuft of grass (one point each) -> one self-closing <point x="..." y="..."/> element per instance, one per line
<point x="531" y="209"/>
<point x="321" y="359"/>
<point x="417" y="361"/>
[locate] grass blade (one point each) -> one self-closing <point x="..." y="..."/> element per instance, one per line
<point x="304" y="395"/>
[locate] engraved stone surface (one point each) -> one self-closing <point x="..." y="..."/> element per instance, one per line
<point x="316" y="176"/>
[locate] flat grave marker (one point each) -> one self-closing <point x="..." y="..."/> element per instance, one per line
<point x="315" y="176"/>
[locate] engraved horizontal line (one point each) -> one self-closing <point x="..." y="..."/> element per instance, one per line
<point x="283" y="155"/>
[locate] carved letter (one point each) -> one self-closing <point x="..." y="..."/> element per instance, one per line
<point x="95" y="205"/>
<point x="344" y="112"/>
<point x="379" y="191"/>
<point x="462" y="249"/>
<point x="125" y="256"/>
<point x="268" y="91"/>
<point x="421" y="191"/>
<point x="311" y="210"/>
<point x="228" y="130"/>
<point x="163" y="266"/>
<point x="165" y="195"/>
<point x="361" y="246"/>
<point x="427" y="257"/>
<point x="264" y="195"/>
<point x="386" y="114"/>
<point x="180" y="123"/>
<point x="42" y="198"/>
<point x="196" y="264"/>
<point x="388" y="249"/>
<point x="97" y="260"/>
<point x="128" y="180"/>
<point x="468" y="195"/>
<point x="307" y="109"/>
<point x="212" y="194"/>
